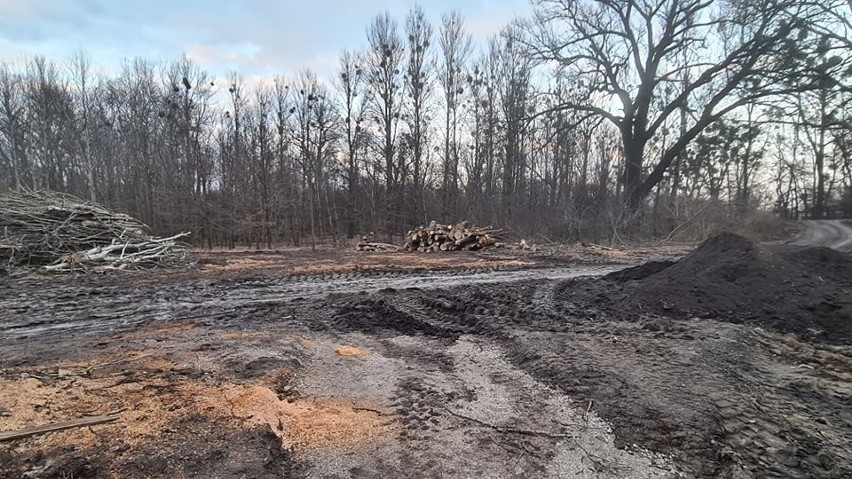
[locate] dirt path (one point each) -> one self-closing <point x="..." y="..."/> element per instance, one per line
<point x="31" y="309"/>
<point x="835" y="234"/>
<point x="465" y="373"/>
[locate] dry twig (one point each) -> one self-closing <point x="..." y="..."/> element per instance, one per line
<point x="58" y="426"/>
<point x="509" y="430"/>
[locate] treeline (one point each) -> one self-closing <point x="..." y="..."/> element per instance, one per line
<point x="588" y="121"/>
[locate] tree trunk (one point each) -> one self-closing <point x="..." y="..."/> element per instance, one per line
<point x="634" y="149"/>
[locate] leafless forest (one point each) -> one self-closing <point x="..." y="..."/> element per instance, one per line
<point x="589" y="121"/>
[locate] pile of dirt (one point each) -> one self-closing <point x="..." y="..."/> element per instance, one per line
<point x="788" y="288"/>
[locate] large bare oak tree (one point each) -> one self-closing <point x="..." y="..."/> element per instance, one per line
<point x="640" y="63"/>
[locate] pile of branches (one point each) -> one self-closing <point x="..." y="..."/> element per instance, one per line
<point x="458" y="237"/>
<point x="58" y="232"/>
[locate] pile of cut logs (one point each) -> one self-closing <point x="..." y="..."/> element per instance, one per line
<point x="461" y="236"/>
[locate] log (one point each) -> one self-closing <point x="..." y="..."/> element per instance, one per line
<point x="465" y="241"/>
<point x="57" y="426"/>
<point x="372" y="246"/>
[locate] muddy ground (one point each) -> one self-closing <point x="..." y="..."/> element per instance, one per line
<point x="336" y="364"/>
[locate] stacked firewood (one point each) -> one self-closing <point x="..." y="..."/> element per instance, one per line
<point x="461" y="236"/>
<point x="57" y="232"/>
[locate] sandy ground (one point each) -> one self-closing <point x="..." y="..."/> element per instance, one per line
<point x="337" y="364"/>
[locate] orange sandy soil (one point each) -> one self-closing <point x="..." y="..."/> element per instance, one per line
<point x="153" y="388"/>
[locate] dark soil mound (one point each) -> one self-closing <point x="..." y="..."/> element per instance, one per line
<point x="639" y="272"/>
<point x="804" y="290"/>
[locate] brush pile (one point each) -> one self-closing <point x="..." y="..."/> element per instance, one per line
<point x="458" y="237"/>
<point x="57" y="232"/>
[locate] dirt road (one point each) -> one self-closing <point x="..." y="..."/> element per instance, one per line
<point x="33" y="310"/>
<point x="466" y="372"/>
<point x="835" y="234"/>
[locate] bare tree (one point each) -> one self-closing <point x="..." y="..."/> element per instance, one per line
<point x="350" y="85"/>
<point x="263" y="158"/>
<point x="384" y="79"/>
<point x="233" y="166"/>
<point x="316" y="120"/>
<point x="133" y="105"/>
<point x="11" y="125"/>
<point x="515" y="92"/>
<point x="49" y="107"/>
<point x="629" y="52"/>
<point x="419" y="89"/>
<point x="491" y="128"/>
<point x="285" y="174"/>
<point x="456" y="47"/>
<point x="84" y="120"/>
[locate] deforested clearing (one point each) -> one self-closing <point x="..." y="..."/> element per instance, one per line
<point x="720" y="362"/>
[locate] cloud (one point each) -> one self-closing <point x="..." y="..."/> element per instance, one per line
<point x="255" y="37"/>
<point x="231" y="54"/>
<point x="484" y="27"/>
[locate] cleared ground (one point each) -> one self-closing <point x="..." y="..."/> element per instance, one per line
<point x="337" y="364"/>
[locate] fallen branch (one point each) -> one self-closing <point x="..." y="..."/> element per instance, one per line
<point x="685" y="223"/>
<point x="146" y="251"/>
<point x="509" y="430"/>
<point x="57" y="426"/>
<point x="597" y="246"/>
<point x="354" y="408"/>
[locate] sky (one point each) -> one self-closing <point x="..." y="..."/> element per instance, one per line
<point x="257" y="38"/>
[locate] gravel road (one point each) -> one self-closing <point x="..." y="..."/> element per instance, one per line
<point x="835" y="234"/>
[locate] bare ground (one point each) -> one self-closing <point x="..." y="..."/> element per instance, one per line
<point x="393" y="365"/>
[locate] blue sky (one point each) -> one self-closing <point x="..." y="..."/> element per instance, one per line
<point x="258" y="38"/>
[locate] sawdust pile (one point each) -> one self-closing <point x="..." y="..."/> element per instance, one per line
<point x="308" y="423"/>
<point x="350" y="351"/>
<point x="147" y="409"/>
<point x="154" y="394"/>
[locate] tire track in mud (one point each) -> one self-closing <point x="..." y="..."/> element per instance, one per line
<point x="697" y="390"/>
<point x="84" y="305"/>
<point x="690" y="389"/>
<point x="644" y="406"/>
<point x="419" y="404"/>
